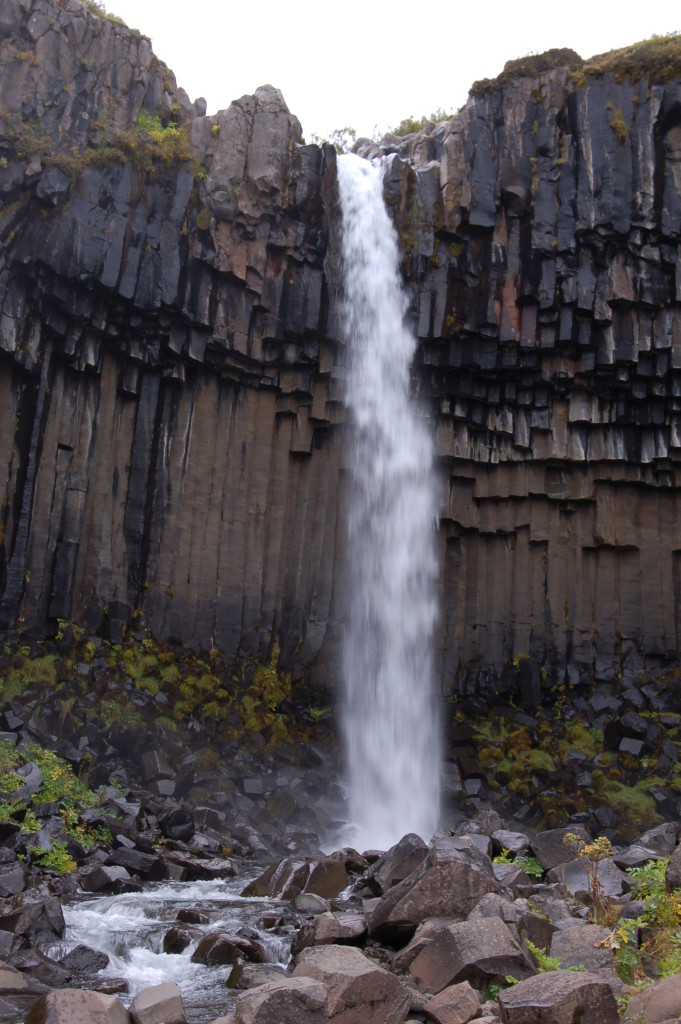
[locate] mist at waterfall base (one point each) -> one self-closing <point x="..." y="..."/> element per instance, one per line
<point x="390" y="724"/>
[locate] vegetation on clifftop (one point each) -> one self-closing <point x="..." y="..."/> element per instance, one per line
<point x="528" y="67"/>
<point x="657" y="58"/>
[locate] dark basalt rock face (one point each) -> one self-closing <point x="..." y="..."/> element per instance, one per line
<point x="171" y="360"/>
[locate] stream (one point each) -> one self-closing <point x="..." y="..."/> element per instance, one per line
<point x="130" y="928"/>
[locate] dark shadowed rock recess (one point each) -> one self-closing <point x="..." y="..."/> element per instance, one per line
<point x="171" y="360"/>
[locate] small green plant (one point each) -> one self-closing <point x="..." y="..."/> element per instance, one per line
<point x="86" y="835"/>
<point x="56" y="859"/>
<point x="10" y="782"/>
<point x="59" y="783"/>
<point x="30" y="823"/>
<point x="530" y="866"/>
<point x="617" y="123"/>
<point x="504" y="857"/>
<point x="495" y="989"/>
<point x="544" y="961"/>
<point x="623" y="940"/>
<point x="662" y="908"/>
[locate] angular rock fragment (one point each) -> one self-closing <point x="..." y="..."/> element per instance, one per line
<point x="358" y="989"/>
<point x="559" y="997"/>
<point x="77" y="1006"/>
<point x="479" y="950"/>
<point x="340" y="927"/>
<point x="456" y="1004"/>
<point x="582" y="946"/>
<point x="448" y="883"/>
<point x="550" y="849"/>
<point x="224" y="948"/>
<point x="289" y="1001"/>
<point x="159" y="1004"/>
<point x="83" y="958"/>
<point x="398" y="862"/>
<point x="36" y="917"/>
<point x="290" y="877"/>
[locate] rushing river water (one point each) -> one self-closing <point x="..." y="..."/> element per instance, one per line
<point x="390" y="723"/>
<point x="130" y="929"/>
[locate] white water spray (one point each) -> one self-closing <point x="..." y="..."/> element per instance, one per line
<point x="391" y="726"/>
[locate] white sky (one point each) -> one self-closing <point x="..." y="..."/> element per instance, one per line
<point x="366" y="63"/>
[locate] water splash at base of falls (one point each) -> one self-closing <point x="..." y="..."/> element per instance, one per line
<point x="390" y="722"/>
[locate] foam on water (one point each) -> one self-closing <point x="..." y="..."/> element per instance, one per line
<point x="130" y="928"/>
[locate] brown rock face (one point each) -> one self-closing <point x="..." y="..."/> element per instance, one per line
<point x="76" y="1006"/>
<point x="290" y="1001"/>
<point x="449" y="883"/>
<point x="171" y="361"/>
<point x="288" y="878"/>
<point x="559" y="997"/>
<point x="358" y="990"/>
<point x="479" y="949"/>
<point x="454" y="1005"/>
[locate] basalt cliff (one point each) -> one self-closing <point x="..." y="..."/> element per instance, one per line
<point x="173" y="435"/>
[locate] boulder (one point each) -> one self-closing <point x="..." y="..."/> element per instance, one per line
<point x="340" y="927"/>
<point x="218" y="948"/>
<point x="581" y="946"/>
<point x="572" y="873"/>
<point x="659" y="1002"/>
<point x="198" y="869"/>
<point x="494" y="904"/>
<point x="147" y="865"/>
<point x="12" y="981"/>
<point x="325" y="877"/>
<point x="289" y="1001"/>
<point x="159" y="1004"/>
<point x="33" y="915"/>
<point x="76" y="1006"/>
<point x="35" y="965"/>
<point x="550" y="848"/>
<point x="394" y="865"/>
<point x="479" y="950"/>
<point x="106" y="877"/>
<point x="83" y="958"/>
<point x="12" y="879"/>
<point x="247" y="976"/>
<point x="178" y="824"/>
<point x="537" y="928"/>
<point x="358" y="989"/>
<point x="425" y="932"/>
<point x="456" y="1004"/>
<point x="176" y="940"/>
<point x="559" y="997"/>
<point x="516" y="843"/>
<point x="448" y="883"/>
<point x="633" y="856"/>
<point x="662" y="839"/>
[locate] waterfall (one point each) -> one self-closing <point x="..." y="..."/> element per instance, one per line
<point x="391" y="726"/>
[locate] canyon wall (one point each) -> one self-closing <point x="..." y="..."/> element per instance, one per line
<point x="172" y="428"/>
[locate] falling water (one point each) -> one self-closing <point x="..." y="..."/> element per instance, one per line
<point x="391" y="726"/>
